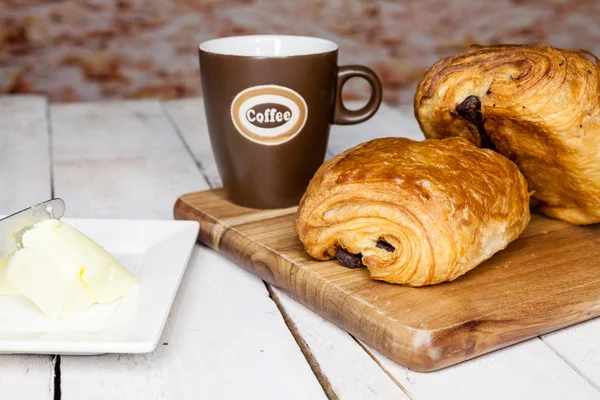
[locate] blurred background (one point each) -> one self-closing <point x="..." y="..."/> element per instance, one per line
<point x="85" y="50"/>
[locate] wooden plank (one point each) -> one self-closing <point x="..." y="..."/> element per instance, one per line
<point x="25" y="180"/>
<point x="225" y="336"/>
<point x="344" y="368"/>
<point x="528" y="370"/>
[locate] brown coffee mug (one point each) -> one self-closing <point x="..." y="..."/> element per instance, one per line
<point x="269" y="103"/>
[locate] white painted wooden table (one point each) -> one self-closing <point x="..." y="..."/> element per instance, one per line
<point x="229" y="335"/>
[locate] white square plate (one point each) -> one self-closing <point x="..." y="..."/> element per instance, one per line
<point x="157" y="252"/>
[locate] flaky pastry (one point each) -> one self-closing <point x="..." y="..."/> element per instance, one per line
<point x="416" y="213"/>
<point x="537" y="105"/>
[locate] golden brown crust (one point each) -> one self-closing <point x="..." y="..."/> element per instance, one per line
<point x="538" y="105"/>
<point x="444" y="205"/>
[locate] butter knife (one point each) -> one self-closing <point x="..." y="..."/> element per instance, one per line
<point x="13" y="226"/>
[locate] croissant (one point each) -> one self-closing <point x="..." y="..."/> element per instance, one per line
<point x="416" y="213"/>
<point x="537" y="105"/>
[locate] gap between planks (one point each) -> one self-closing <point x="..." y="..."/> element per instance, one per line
<point x="50" y="150"/>
<point x="186" y="145"/>
<point x="57" y="378"/>
<point x="388" y="373"/>
<point x="312" y="362"/>
<point x="57" y="374"/>
<point x="304" y="347"/>
<point x="570" y="364"/>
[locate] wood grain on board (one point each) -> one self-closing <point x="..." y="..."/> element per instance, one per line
<point x="547" y="279"/>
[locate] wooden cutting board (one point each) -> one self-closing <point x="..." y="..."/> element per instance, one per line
<point x="547" y="279"/>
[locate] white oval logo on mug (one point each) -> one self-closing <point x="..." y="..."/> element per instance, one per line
<point x="269" y="114"/>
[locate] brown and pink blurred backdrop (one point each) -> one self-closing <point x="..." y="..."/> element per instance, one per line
<point x="83" y="50"/>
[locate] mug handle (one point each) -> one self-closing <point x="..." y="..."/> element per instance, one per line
<point x="343" y="116"/>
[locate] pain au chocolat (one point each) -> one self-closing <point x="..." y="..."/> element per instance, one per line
<point x="416" y="213"/>
<point x="537" y="105"/>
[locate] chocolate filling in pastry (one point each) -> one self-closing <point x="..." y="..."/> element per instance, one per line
<point x="470" y="109"/>
<point x="348" y="259"/>
<point x="351" y="260"/>
<point x="382" y="244"/>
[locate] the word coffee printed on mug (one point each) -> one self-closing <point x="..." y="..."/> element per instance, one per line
<point x="269" y="114"/>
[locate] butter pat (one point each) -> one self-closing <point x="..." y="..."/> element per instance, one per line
<point x="64" y="272"/>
